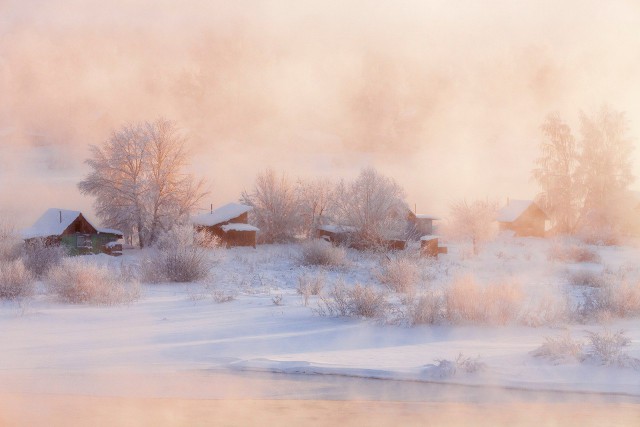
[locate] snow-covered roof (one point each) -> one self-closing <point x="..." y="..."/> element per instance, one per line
<point x="331" y="228"/>
<point x="429" y="237"/>
<point x="239" y="227"/>
<point x="513" y="210"/>
<point x="52" y="223"/>
<point x="110" y="231"/>
<point x="221" y="214"/>
<point x="427" y="216"/>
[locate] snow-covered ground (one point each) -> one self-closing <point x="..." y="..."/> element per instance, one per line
<point x="180" y="327"/>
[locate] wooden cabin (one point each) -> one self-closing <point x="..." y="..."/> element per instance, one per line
<point x="230" y="223"/>
<point x="419" y="225"/>
<point x="523" y="217"/>
<point x="74" y="231"/>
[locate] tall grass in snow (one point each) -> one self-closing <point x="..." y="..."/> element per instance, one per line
<point x="466" y="301"/>
<point x="79" y="281"/>
<point x="16" y="282"/>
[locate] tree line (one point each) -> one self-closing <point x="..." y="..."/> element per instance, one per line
<point x="140" y="187"/>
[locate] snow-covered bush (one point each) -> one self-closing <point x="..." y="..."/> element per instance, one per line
<point x="468" y="302"/>
<point x="425" y="309"/>
<point x="16" y="281"/>
<point x="607" y="348"/>
<point x="572" y="252"/>
<point x="444" y="368"/>
<point x="358" y="301"/>
<point x="319" y="252"/>
<point x="309" y="285"/>
<point x="590" y="279"/>
<point x="400" y="274"/>
<point x="39" y="257"/>
<point x="10" y="242"/>
<point x="178" y="256"/>
<point x="79" y="281"/>
<point x="615" y="298"/>
<point x="560" y="349"/>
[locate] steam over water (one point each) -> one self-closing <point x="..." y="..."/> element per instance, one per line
<point x="447" y="98"/>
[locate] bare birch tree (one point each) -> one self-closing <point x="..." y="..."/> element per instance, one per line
<point x="138" y="181"/>
<point x="275" y="207"/>
<point x="315" y="198"/>
<point x="604" y="173"/>
<point x="374" y="204"/>
<point x="555" y="172"/>
<point x="473" y="221"/>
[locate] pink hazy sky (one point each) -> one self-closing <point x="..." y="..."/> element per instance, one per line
<point x="446" y="98"/>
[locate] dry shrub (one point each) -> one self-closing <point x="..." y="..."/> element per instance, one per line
<point x="560" y="349"/>
<point x="39" y="257"/>
<point x="607" y="348"/>
<point x="180" y="255"/>
<point x="572" y="252"/>
<point x="400" y="274"/>
<point x="359" y="301"/>
<point x="79" y="281"/>
<point x="322" y="253"/>
<point x="466" y="301"/>
<point x="546" y="309"/>
<point x="309" y="285"/>
<point x="16" y="282"/>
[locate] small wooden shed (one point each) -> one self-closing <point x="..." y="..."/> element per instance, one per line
<point x="74" y="231"/>
<point x="523" y="217"/>
<point x="230" y="223"/>
<point x="419" y="225"/>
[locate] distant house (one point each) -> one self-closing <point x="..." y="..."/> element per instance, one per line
<point x="72" y="230"/>
<point x="523" y="217"/>
<point x="230" y="223"/>
<point x="419" y="225"/>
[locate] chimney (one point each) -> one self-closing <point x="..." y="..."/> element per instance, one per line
<point x="60" y="212"/>
<point x="211" y="208"/>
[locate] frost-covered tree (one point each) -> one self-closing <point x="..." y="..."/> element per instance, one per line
<point x="473" y="221"/>
<point x="585" y="183"/>
<point x="275" y="207"/>
<point x="315" y="198"/>
<point x="555" y="172"/>
<point x="137" y="177"/>
<point x="604" y="173"/>
<point x="374" y="204"/>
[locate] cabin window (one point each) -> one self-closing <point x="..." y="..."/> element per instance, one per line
<point x="83" y="241"/>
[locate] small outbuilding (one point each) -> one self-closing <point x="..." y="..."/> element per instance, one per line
<point x="74" y="231"/>
<point x="523" y="217"/>
<point x="429" y="246"/>
<point x="230" y="223"/>
<point x="419" y="225"/>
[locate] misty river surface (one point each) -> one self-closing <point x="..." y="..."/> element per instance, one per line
<point x="194" y="398"/>
<point x="229" y="384"/>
